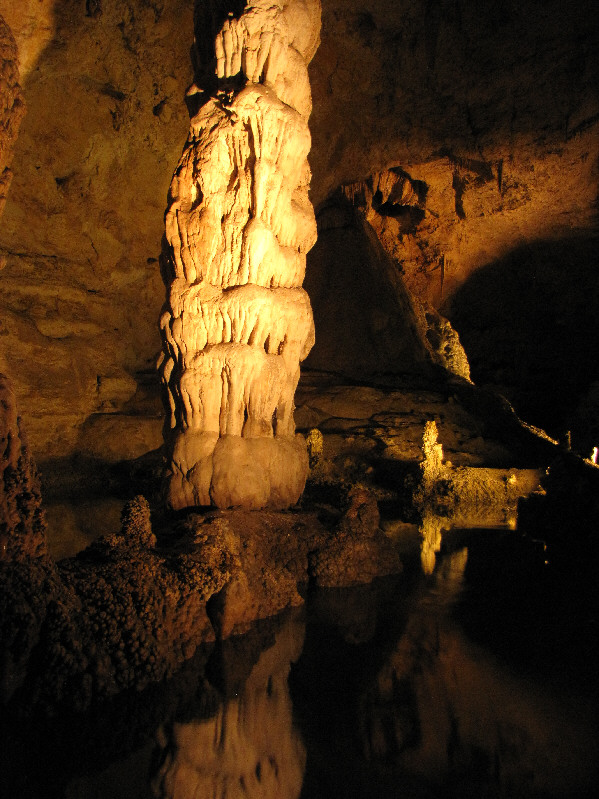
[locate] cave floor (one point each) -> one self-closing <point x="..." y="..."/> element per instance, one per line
<point x="371" y="434"/>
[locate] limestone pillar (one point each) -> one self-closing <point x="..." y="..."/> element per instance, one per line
<point x="236" y="322"/>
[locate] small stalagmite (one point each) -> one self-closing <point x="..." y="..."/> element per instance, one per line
<point x="236" y="322"/>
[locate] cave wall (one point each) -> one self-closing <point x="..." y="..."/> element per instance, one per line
<point x="466" y="136"/>
<point x="491" y="106"/>
<point x="81" y="233"/>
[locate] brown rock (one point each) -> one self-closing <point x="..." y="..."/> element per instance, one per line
<point x="494" y="108"/>
<point x="22" y="520"/>
<point x="271" y="550"/>
<point x="358" y="551"/>
<point x="12" y="108"/>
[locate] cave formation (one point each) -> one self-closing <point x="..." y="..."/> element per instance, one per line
<point x="454" y="178"/>
<point x="238" y="227"/>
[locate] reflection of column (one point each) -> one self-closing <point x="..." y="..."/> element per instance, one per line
<point x="430" y="529"/>
<point x="250" y="747"/>
<point x="238" y="226"/>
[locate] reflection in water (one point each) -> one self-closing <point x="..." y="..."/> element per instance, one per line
<point x="430" y="529"/>
<point x="250" y="748"/>
<point x="436" y="714"/>
<point x="478" y="680"/>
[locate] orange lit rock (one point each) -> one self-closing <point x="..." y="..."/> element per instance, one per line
<point x="12" y="107"/>
<point x="499" y="96"/>
<point x="238" y="226"/>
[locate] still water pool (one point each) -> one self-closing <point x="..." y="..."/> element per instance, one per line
<point x="479" y="680"/>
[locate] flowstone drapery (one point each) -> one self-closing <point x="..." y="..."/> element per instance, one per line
<point x="239" y="223"/>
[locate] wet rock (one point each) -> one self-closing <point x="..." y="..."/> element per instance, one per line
<point x="272" y="551"/>
<point x="357" y="550"/>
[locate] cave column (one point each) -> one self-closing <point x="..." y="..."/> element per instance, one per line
<point x="237" y="323"/>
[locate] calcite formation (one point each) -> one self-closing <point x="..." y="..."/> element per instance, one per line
<point x="237" y="323"/>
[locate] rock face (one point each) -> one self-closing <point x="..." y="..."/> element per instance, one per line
<point x="22" y="526"/>
<point x="82" y="225"/>
<point x="474" y="125"/>
<point x="238" y="226"/>
<point x="369" y="323"/>
<point x="12" y="107"/>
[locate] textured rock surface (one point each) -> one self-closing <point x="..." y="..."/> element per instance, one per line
<point x="123" y="614"/>
<point x="369" y="324"/>
<point x="11" y="106"/>
<point x="238" y="226"/>
<point x="473" y="128"/>
<point x="81" y="233"/>
<point x="126" y="613"/>
<point x="358" y="551"/>
<point x="364" y="426"/>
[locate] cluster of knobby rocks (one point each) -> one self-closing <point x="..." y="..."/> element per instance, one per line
<point x="132" y="608"/>
<point x="121" y="614"/>
<point x="357" y="551"/>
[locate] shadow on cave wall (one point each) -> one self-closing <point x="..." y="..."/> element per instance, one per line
<point x="529" y="325"/>
<point x="365" y="324"/>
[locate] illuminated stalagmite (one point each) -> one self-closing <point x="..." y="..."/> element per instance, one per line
<point x="239" y="223"/>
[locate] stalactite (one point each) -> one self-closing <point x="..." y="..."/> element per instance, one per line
<point x="237" y="323"/>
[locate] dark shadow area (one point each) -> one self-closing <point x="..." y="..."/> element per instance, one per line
<point x="375" y="687"/>
<point x="365" y="324"/>
<point x="528" y="323"/>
